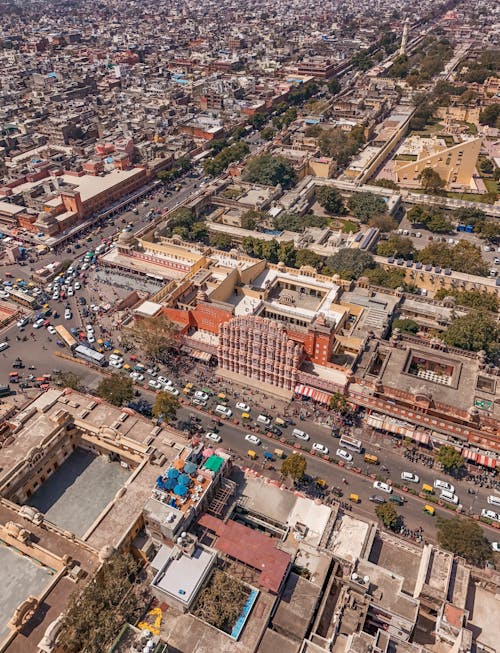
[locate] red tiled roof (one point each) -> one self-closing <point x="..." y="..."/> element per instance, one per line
<point x="252" y="548"/>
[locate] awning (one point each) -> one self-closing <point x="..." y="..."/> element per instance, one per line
<point x="468" y="454"/>
<point x="312" y="393"/>
<point x="487" y="461"/>
<point x="201" y="355"/>
<point x="304" y="390"/>
<point x="420" y="436"/>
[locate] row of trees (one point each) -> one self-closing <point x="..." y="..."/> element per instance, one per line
<point x="270" y="171"/>
<point x="235" y="152"/>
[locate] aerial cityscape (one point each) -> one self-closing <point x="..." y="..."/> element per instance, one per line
<point x="250" y="336"/>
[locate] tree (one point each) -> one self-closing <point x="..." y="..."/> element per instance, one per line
<point x="471" y="298"/>
<point x="366" y="205"/>
<point x="334" y="86"/>
<point x="486" y="166"/>
<point x="220" y="241"/>
<point x="153" y="335"/>
<point x="308" y="257"/>
<point x="350" y="263"/>
<point x="465" y="538"/>
<point x="463" y="257"/>
<point x="476" y="331"/>
<point x="221" y="601"/>
<point x="408" y="326"/>
<point x="430" y="180"/>
<point x="294" y="466"/>
<point x="270" y="170"/>
<point x="95" y="614"/>
<point x="438" y="224"/>
<point x="219" y="163"/>
<point x="340" y="146"/>
<point x="384" y="223"/>
<point x="339" y="404"/>
<point x="384" y="183"/>
<point x="116" y="389"/>
<point x="68" y="380"/>
<point x="165" y="406"/>
<point x="398" y="246"/>
<point x="267" y="133"/>
<point x="490" y="115"/>
<point x="379" y="276"/>
<point x="198" y="232"/>
<point x="450" y="458"/>
<point x="387" y="514"/>
<point x="330" y="199"/>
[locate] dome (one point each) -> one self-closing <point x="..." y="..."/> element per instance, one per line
<point x="126" y="238"/>
<point x="106" y="552"/>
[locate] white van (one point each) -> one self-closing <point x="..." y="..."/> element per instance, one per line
<point x="444" y="485"/>
<point x="4" y="345"/>
<point x="449" y="497"/>
<point x="264" y="419"/>
<point x="493" y="500"/>
<point x="223" y="410"/>
<point x="301" y="435"/>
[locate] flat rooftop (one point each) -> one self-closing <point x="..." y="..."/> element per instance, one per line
<point x="114" y="258"/>
<point x="20" y="577"/>
<point x="349" y="538"/>
<point x="399" y="557"/>
<point x="181" y="576"/>
<point x="74" y="495"/>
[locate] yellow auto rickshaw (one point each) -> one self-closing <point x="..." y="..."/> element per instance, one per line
<point x="187" y="388"/>
<point x="321" y="482"/>
<point x="251" y="454"/>
<point x="279" y="453"/>
<point x="245" y="415"/>
<point x="428" y="489"/>
<point x="354" y="498"/>
<point x="429" y="510"/>
<point x="279" y="421"/>
<point x="371" y="458"/>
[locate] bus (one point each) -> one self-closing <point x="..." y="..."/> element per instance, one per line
<point x="66" y="336"/>
<point x="90" y="355"/>
<point x="23" y="298"/>
<point x="346" y="442"/>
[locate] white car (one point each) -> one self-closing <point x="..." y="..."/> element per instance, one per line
<point x="71" y="292"/>
<point x="495" y="546"/>
<point x="23" y="322"/>
<point x="199" y="394"/>
<point x="67" y="314"/>
<point x="90" y="337"/>
<point x="345" y="455"/>
<point x="444" y="485"/>
<point x="383" y="487"/>
<point x="137" y="377"/>
<point x="38" y="324"/>
<point x="449" y="497"/>
<point x="117" y="364"/>
<point x="163" y="380"/>
<point x="77" y="285"/>
<point x="320" y="448"/>
<point x="55" y="296"/>
<point x="245" y="408"/>
<point x="116" y="357"/>
<point x="409" y="477"/>
<point x="171" y="390"/>
<point x="51" y="330"/>
<point x="4" y="294"/>
<point x="253" y="439"/>
<point x="215" y="437"/>
<point x="154" y="385"/>
<point x="490" y="514"/>
<point x="223" y="410"/>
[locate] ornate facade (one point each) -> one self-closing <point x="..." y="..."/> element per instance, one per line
<point x="259" y="348"/>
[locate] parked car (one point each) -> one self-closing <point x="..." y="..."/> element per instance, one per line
<point x="154" y="385"/>
<point x="444" y="485"/>
<point x="410" y="477"/>
<point x="253" y="439"/>
<point x="376" y="498"/>
<point x="344" y="455"/>
<point x="215" y="437"/>
<point x="320" y="448"/>
<point x="245" y="408"/>
<point x="490" y="514"/>
<point x="223" y="410"/>
<point x="67" y="314"/>
<point x="384" y="487"/>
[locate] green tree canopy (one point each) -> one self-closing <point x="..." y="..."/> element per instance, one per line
<point x="307" y="257"/>
<point x="339" y="404"/>
<point x="471" y="298"/>
<point x="152" y="335"/>
<point x="430" y="180"/>
<point x="339" y="145"/>
<point x="267" y="133"/>
<point x="476" y="331"/>
<point x="450" y="458"/>
<point x="334" y="86"/>
<point x="366" y="205"/>
<point x="330" y="199"/>
<point x="398" y="246"/>
<point x="379" y="276"/>
<point x="221" y="241"/>
<point x="384" y="183"/>
<point x="166" y="406"/>
<point x="221" y="601"/>
<point x="235" y="152"/>
<point x="491" y="116"/>
<point x="67" y="379"/>
<point x="385" y="223"/>
<point x="116" y="389"/>
<point x="270" y="170"/>
<point x="408" y="326"/>
<point x="350" y="263"/>
<point x="463" y="257"/>
<point x="465" y="538"/>
<point x="387" y="514"/>
<point x="295" y="466"/>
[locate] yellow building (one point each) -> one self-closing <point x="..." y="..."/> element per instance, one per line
<point x="455" y="165"/>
